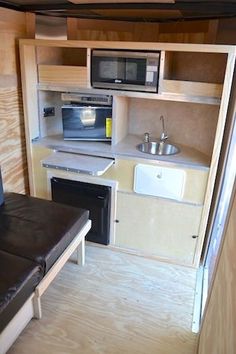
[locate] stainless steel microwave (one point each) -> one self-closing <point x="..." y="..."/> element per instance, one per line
<point x="87" y="121"/>
<point x="125" y="70"/>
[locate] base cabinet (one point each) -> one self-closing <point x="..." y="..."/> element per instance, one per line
<point x="158" y="227"/>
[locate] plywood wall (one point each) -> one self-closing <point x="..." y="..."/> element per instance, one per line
<point x="12" y="142"/>
<point x="226" y="31"/>
<point x="212" y="31"/>
<point x="219" y="327"/>
<point x="181" y="32"/>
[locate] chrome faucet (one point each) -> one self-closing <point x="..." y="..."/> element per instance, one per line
<point x="163" y="136"/>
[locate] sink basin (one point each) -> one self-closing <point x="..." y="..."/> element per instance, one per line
<point x="158" y="148"/>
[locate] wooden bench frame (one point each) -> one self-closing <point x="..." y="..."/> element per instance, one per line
<point x="32" y="307"/>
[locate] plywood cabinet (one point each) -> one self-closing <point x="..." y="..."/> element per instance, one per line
<point x="181" y="77"/>
<point x="158" y="227"/>
<point x="141" y="223"/>
<point x="194" y="89"/>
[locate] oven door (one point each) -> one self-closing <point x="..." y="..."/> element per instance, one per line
<point x="86" y="123"/>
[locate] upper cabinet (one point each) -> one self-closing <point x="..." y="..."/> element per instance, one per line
<point x="188" y="72"/>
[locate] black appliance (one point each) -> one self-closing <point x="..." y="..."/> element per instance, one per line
<point x="93" y="197"/>
<point x="90" y="118"/>
<point x="125" y="70"/>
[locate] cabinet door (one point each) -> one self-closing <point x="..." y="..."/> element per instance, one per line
<point x="157" y="226"/>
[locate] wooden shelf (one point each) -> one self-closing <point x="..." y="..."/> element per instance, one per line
<point x="191" y="88"/>
<point x="63" y="75"/>
<point x="59" y="87"/>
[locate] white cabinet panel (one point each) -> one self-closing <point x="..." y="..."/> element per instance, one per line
<point x="156" y="226"/>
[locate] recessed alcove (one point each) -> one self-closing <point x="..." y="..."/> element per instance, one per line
<point x="188" y="124"/>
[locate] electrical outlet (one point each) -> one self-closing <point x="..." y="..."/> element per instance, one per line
<point x="49" y="111"/>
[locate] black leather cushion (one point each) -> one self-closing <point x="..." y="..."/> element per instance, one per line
<point x="1" y="190"/>
<point x="18" y="279"/>
<point x="38" y="229"/>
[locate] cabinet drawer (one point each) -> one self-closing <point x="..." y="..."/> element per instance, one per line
<point x="155" y="226"/>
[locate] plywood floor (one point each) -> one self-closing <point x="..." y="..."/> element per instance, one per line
<point x="118" y="303"/>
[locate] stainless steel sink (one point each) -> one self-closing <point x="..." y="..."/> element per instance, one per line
<point x="158" y="148"/>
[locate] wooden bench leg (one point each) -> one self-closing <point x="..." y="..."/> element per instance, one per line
<point x="81" y="253"/>
<point x="37" y="307"/>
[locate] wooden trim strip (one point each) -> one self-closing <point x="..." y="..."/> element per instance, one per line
<point x="209" y="48"/>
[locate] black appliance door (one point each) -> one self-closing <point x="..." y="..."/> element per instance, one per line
<point x="117" y="70"/>
<point x="135" y="71"/>
<point x="93" y="197"/>
<point x="107" y="69"/>
<point x="86" y="122"/>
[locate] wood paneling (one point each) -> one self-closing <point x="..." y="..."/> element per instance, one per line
<point x="12" y="145"/>
<point x="12" y="148"/>
<point x="219" y="326"/>
<point x="179" y="32"/>
<point x="226" y="31"/>
<point x="100" y="30"/>
<point x="30" y="25"/>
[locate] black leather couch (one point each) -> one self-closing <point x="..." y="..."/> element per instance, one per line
<point x="33" y="235"/>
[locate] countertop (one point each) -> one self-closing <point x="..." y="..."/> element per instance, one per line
<point x="188" y="157"/>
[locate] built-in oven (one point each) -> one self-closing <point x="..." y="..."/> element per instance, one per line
<point x="87" y="117"/>
<point x="93" y="197"/>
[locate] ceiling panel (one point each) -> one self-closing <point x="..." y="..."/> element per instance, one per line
<point x="118" y="1"/>
<point x="133" y="10"/>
